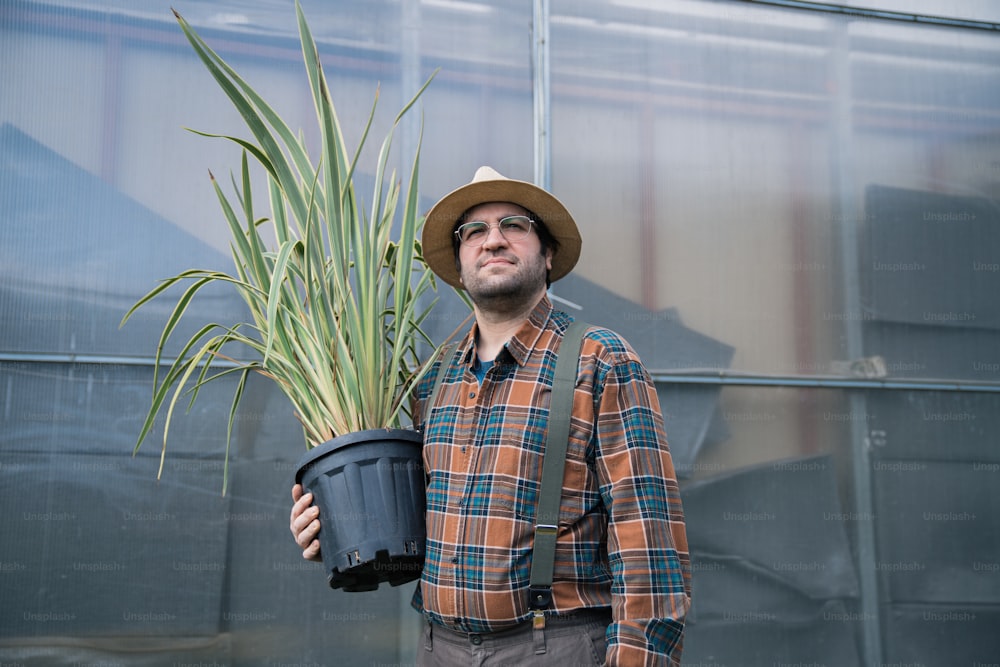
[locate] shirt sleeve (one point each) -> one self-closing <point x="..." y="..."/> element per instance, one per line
<point x="647" y="542"/>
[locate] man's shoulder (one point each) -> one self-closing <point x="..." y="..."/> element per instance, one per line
<point x="596" y="338"/>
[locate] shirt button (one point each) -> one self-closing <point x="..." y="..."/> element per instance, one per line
<point x="454" y="559"/>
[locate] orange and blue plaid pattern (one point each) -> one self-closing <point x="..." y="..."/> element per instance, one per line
<point x="621" y="541"/>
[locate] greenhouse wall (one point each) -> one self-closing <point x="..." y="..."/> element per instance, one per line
<point x="789" y="208"/>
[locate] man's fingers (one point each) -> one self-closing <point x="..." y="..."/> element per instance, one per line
<point x="304" y="523"/>
<point x="303" y="504"/>
<point x="311" y="552"/>
<point x="306" y="538"/>
<point x="306" y="516"/>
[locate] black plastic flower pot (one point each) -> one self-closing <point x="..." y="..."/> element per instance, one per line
<point x="369" y="487"/>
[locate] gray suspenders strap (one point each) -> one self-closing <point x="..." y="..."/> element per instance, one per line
<point x="446" y="355"/>
<point x="553" y="464"/>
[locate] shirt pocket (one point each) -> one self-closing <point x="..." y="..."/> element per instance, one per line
<point x="508" y="500"/>
<point x="518" y="501"/>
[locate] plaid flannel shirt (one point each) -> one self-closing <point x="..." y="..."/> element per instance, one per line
<point x="621" y="540"/>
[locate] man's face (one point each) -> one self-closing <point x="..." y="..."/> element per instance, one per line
<point x="503" y="273"/>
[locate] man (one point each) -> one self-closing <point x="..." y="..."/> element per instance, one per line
<point x="621" y="579"/>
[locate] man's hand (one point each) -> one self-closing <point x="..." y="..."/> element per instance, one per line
<point x="304" y="523"/>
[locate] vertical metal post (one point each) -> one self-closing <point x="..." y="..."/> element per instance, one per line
<point x="841" y="138"/>
<point x="540" y="92"/>
<point x="409" y="84"/>
<point x="410" y="625"/>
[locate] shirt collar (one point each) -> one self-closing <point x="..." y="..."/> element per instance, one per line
<point x="524" y="341"/>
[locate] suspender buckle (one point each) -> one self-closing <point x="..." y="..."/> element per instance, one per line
<point x="538" y="631"/>
<point x="539" y="598"/>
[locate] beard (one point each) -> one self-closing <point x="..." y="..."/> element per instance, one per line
<point x="510" y="292"/>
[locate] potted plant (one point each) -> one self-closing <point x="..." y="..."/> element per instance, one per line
<point x="336" y="309"/>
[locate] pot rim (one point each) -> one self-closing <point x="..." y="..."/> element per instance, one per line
<point x="354" y="438"/>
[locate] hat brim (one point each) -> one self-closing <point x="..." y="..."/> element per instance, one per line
<point x="440" y="222"/>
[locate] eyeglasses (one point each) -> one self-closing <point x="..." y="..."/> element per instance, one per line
<point x="513" y="228"/>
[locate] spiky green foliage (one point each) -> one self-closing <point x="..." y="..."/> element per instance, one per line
<point x="336" y="304"/>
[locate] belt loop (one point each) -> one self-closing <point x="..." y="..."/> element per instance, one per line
<point x="429" y="637"/>
<point x="538" y="631"/>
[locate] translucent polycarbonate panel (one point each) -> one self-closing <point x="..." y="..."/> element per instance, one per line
<point x="106" y="192"/>
<point x="478" y="110"/>
<point x="818" y="518"/>
<point x="815" y="191"/>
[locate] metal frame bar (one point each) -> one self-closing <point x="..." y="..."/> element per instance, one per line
<point x="540" y="85"/>
<point x="660" y="376"/>
<point x="886" y="15"/>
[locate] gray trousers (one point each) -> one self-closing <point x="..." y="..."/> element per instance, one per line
<point x="576" y="640"/>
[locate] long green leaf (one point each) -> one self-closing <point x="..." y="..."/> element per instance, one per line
<point x="336" y="307"/>
<point x="234" y="87"/>
<point x="238" y="394"/>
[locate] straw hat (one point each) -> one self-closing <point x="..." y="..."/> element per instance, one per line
<point x="489" y="186"/>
